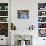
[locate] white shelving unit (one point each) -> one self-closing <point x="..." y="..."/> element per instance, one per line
<point x="4" y="23"/>
<point x="42" y="18"/>
<point x="4" y="12"/>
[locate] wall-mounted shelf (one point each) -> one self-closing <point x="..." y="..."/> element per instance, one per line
<point x="3" y="10"/>
<point x="41" y="10"/>
<point x="3" y="16"/>
<point x="3" y="22"/>
<point x="42" y="16"/>
<point x="41" y="22"/>
<point x="41" y="28"/>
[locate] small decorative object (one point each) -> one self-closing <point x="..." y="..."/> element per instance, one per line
<point x="31" y="27"/>
<point x="41" y="19"/>
<point x="0" y="7"/>
<point x="3" y="26"/>
<point x="13" y="27"/>
<point x="42" y="25"/>
<point x="23" y="14"/>
<point x="3" y="19"/>
<point x="3" y="13"/>
<point x="43" y="13"/>
<point x="6" y="7"/>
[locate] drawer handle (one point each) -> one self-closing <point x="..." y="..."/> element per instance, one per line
<point x="1" y="39"/>
<point x="43" y="39"/>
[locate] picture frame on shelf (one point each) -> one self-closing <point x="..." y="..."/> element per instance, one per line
<point x="41" y="19"/>
<point x="3" y="6"/>
<point x="41" y="6"/>
<point x="42" y="33"/>
<point x="41" y="13"/>
<point x="3" y="13"/>
<point x="4" y="29"/>
<point x="41" y="25"/>
<point x="3" y="19"/>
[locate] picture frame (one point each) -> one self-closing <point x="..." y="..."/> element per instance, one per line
<point x="23" y="14"/>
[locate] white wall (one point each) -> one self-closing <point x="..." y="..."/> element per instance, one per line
<point x="22" y="5"/>
<point x="32" y="6"/>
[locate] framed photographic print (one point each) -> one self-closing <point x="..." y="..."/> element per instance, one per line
<point x="42" y="32"/>
<point x="3" y="19"/>
<point x="23" y="14"/>
<point x="4" y="29"/>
